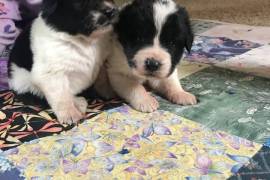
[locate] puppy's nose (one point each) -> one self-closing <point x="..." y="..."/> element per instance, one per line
<point x="152" y="65"/>
<point x="111" y="12"/>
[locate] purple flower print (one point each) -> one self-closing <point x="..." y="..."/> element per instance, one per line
<point x="132" y="142"/>
<point x="203" y="163"/>
<point x="139" y="167"/>
<point x="148" y="131"/>
<point x="162" y="130"/>
<point x="103" y="148"/>
<point x="156" y="129"/>
<point x="81" y="166"/>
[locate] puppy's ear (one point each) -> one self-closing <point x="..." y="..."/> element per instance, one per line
<point x="48" y="7"/>
<point x="189" y="36"/>
<point x="189" y="39"/>
<point x="139" y="1"/>
<point x="142" y="2"/>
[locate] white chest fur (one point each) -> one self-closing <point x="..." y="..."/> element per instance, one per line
<point x="77" y="57"/>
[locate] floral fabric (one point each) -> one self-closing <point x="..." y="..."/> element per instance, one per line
<point x="232" y="46"/>
<point x="124" y="144"/>
<point x="3" y="74"/>
<point x="21" y="122"/>
<point x="217" y="49"/>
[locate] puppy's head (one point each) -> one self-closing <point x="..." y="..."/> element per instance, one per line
<point x="154" y="34"/>
<point x="79" y="17"/>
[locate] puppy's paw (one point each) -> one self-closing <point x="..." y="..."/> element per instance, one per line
<point x="145" y="104"/>
<point x="69" y="115"/>
<point x="82" y="104"/>
<point x="183" y="98"/>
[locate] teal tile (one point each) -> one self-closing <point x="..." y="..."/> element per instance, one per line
<point x="234" y="102"/>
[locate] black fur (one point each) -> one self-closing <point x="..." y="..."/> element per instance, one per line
<point x="75" y="16"/>
<point x="21" y="54"/>
<point x="176" y="35"/>
<point x="136" y="30"/>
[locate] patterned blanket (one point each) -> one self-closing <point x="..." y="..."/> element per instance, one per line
<point x="232" y="46"/>
<point x="124" y="144"/>
<point x="227" y="135"/>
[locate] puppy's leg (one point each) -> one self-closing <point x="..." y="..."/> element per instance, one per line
<point x="59" y="96"/>
<point x="173" y="91"/>
<point x="102" y="85"/>
<point x="134" y="93"/>
<point x="82" y="104"/>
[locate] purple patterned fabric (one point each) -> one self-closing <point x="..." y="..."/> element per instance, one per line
<point x="12" y="11"/>
<point x="9" y="11"/>
<point x="3" y="74"/>
<point x="212" y="50"/>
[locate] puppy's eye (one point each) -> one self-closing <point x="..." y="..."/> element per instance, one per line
<point x="139" y="39"/>
<point x="171" y="43"/>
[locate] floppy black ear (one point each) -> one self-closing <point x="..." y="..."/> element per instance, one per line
<point x="189" y="39"/>
<point x="48" y="7"/>
<point x="189" y="36"/>
<point x="142" y="3"/>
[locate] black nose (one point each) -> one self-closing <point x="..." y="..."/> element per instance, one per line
<point x="111" y="12"/>
<point x="152" y="65"/>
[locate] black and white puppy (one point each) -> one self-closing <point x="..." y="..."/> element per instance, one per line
<point x="61" y="53"/>
<point x="151" y="36"/>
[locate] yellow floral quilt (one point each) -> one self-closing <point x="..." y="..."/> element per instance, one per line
<point x="124" y="144"/>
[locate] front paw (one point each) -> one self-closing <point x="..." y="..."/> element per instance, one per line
<point x="69" y="115"/>
<point x="182" y="98"/>
<point x="145" y="104"/>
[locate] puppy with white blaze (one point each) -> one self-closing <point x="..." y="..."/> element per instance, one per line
<point x="60" y="54"/>
<point x="150" y="40"/>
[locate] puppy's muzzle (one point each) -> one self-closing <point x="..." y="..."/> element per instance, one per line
<point x="152" y="65"/>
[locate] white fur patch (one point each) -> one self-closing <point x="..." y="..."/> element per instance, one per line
<point x="109" y="4"/>
<point x="59" y="53"/>
<point x="21" y="81"/>
<point x="96" y="16"/>
<point x="162" y="9"/>
<point x="157" y="53"/>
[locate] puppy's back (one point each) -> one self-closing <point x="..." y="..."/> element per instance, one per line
<point x="21" y="54"/>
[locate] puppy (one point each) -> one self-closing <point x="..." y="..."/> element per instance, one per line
<point x="150" y="40"/>
<point x="60" y="54"/>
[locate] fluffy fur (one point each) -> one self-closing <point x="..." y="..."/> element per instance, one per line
<point x="61" y="53"/>
<point x="150" y="40"/>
